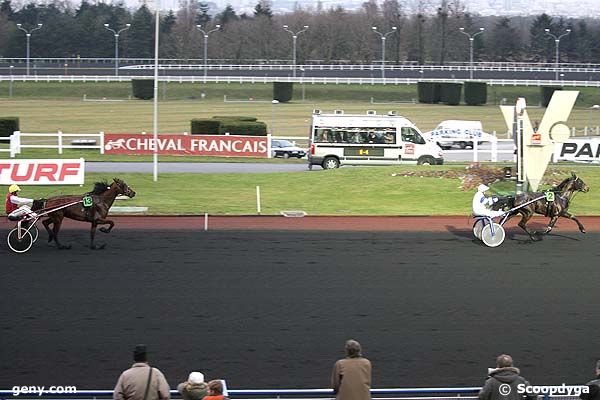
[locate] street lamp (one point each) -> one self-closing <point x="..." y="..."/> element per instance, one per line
<point x="383" y="37"/>
<point x="10" y="86"/>
<point x="471" y="40"/>
<point x="556" y="42"/>
<point x="28" y="35"/>
<point x="206" y="44"/>
<point x="117" y="33"/>
<point x="294" y="37"/>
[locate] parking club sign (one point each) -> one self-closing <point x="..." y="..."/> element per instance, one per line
<point x="187" y="145"/>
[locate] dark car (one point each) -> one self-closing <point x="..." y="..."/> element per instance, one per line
<point x="286" y="149"/>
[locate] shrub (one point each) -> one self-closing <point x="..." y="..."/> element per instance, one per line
<point x="143" y="88"/>
<point x="428" y="92"/>
<point x="243" y="128"/>
<point x="547" y="92"/>
<point x="8" y="125"/>
<point x="205" y="126"/>
<point x="283" y="91"/>
<point x="475" y="93"/>
<point x="450" y="93"/>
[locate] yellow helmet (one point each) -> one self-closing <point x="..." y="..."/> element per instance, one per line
<point x="13" y="188"/>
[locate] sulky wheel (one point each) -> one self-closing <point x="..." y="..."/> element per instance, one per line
<point x="478" y="227"/>
<point x="19" y="245"/>
<point x="495" y="239"/>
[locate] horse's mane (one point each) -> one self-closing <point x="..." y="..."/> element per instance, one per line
<point x="100" y="187"/>
<point x="561" y="186"/>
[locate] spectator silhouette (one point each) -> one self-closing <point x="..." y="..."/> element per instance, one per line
<point x="502" y="382"/>
<point x="594" y="386"/>
<point x="351" y="376"/>
<point x="141" y="381"/>
<point x="215" y="391"/>
<point x="194" y="388"/>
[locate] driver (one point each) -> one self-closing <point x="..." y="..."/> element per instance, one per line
<point x="481" y="203"/>
<point x="16" y="207"/>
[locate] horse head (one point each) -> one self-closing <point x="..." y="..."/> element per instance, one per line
<point x="122" y="188"/>
<point x="579" y="184"/>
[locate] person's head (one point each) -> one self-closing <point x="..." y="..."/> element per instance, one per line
<point x="215" y="387"/>
<point x="14" y="189"/>
<point x="504" y="361"/>
<point x="353" y="349"/>
<point x="482" y="188"/>
<point x="139" y="353"/>
<point x="598" y="368"/>
<point x="196" y="378"/>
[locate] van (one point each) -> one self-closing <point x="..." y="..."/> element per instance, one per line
<point x="353" y="139"/>
<point x="459" y="133"/>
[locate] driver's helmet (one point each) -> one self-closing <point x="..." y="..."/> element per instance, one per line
<point x="14" y="188"/>
<point x="482" y="188"/>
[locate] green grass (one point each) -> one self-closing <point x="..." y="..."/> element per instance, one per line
<point x="347" y="191"/>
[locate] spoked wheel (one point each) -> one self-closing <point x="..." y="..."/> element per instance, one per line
<point x="478" y="227"/>
<point x="495" y="239"/>
<point x="33" y="230"/>
<point x="19" y="245"/>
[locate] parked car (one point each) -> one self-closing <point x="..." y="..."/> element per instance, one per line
<point x="286" y="149"/>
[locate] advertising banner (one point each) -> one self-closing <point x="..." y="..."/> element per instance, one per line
<point x="584" y="150"/>
<point x="187" y="145"/>
<point x="42" y="172"/>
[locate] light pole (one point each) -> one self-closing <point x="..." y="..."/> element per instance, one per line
<point x="557" y="43"/>
<point x="206" y="44"/>
<point x="273" y="104"/>
<point x="10" y="87"/>
<point x="295" y="38"/>
<point x="471" y="40"/>
<point x="383" y="37"/>
<point x="117" y="33"/>
<point x="28" y="35"/>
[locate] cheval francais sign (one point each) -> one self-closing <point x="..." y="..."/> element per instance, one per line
<point x="187" y="145"/>
<point x="42" y="172"/>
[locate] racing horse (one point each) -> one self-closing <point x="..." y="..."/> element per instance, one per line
<point x="563" y="194"/>
<point x="102" y="197"/>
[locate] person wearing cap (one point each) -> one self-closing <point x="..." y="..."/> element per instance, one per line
<point x="194" y="388"/>
<point x="481" y="203"/>
<point x="16" y="206"/>
<point x="141" y="381"/>
<point x="594" y="386"/>
<point x="351" y="376"/>
<point x="503" y="382"/>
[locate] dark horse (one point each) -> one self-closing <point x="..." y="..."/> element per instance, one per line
<point x="102" y="197"/>
<point x="563" y="194"/>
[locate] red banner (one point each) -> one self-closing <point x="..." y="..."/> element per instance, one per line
<point x="187" y="145"/>
<point x="42" y="172"/>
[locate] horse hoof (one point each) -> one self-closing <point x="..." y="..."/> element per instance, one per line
<point x="64" y="247"/>
<point x="103" y="230"/>
<point x="582" y="230"/>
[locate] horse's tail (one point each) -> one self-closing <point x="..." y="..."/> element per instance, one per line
<point x="504" y="203"/>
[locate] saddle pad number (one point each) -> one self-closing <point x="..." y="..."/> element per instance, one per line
<point x="549" y="196"/>
<point x="87" y="201"/>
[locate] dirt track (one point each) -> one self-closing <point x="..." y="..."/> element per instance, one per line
<point x="264" y="306"/>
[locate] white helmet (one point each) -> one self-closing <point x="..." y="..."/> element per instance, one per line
<point x="482" y="188"/>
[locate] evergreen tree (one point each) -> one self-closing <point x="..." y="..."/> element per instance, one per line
<point x="505" y="45"/>
<point x="6" y="9"/>
<point x="227" y="15"/>
<point x="263" y="8"/>
<point x="167" y="24"/>
<point x="203" y="17"/>
<point x="540" y="47"/>
<point x="141" y="35"/>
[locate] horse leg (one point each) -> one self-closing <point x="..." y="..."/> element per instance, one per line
<point x="525" y="217"/>
<point x="92" y="235"/>
<point x="46" y="224"/>
<point x="551" y="224"/>
<point x="568" y="215"/>
<point x="55" y="229"/>
<point x="108" y="222"/>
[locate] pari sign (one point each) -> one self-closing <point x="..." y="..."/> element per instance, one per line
<point x="42" y="172"/>
<point x="184" y="145"/>
<point x="585" y="150"/>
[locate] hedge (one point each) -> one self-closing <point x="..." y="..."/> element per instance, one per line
<point x="237" y="118"/>
<point x="243" y="128"/>
<point x="450" y="93"/>
<point x="8" y="125"/>
<point x="475" y="93"/>
<point x="283" y="91"/>
<point x="204" y="126"/>
<point x="546" y="94"/>
<point x="143" y="88"/>
<point x="428" y="92"/>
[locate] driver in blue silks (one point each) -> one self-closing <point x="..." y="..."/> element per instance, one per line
<point x="481" y="203"/>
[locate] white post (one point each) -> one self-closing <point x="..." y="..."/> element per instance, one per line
<point x="155" y="105"/>
<point x="17" y="142"/>
<point x="205" y="221"/>
<point x="258" y="199"/>
<point x="60" y="142"/>
<point x="475" y="149"/>
<point x="269" y="145"/>
<point x="13" y="145"/>
<point x="101" y="142"/>
<point x="494" y="148"/>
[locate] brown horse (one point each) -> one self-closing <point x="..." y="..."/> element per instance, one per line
<point x="563" y="194"/>
<point x="102" y="197"/>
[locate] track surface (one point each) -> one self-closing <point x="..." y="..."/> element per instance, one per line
<point x="269" y="308"/>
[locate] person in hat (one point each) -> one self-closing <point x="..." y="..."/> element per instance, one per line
<point x="481" y="203"/>
<point x="351" y="376"/>
<point x="194" y="388"/>
<point x="16" y="206"/>
<point x="141" y="381"/>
